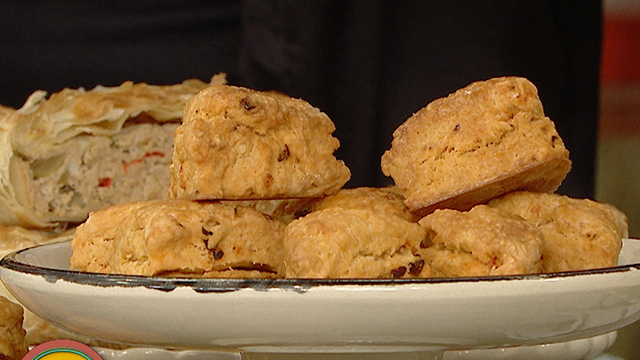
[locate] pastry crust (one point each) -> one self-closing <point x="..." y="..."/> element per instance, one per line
<point x="81" y="150"/>
<point x="179" y="238"/>
<point x="12" y="336"/>
<point x="350" y="243"/>
<point x="579" y="234"/>
<point x="480" y="242"/>
<point x="239" y="144"/>
<point x="484" y="140"/>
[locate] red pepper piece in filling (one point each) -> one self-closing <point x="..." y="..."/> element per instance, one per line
<point x="104" y="182"/>
<point x="126" y="164"/>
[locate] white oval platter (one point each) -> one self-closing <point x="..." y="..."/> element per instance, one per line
<point x="293" y="315"/>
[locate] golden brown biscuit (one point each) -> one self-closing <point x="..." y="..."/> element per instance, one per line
<point x="94" y="241"/>
<point x="579" y="234"/>
<point x="387" y="201"/>
<point x="480" y="242"/>
<point x="5" y="111"/>
<point x="482" y="141"/>
<point x="240" y="144"/>
<point x="12" y="336"/>
<point x="181" y="238"/>
<point x="349" y="243"/>
<point x="621" y="219"/>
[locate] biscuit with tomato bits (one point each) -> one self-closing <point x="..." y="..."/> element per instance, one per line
<point x="180" y="238"/>
<point x="580" y="234"/>
<point x="241" y="144"/>
<point x="482" y="141"/>
<point x="480" y="242"/>
<point x="350" y="243"/>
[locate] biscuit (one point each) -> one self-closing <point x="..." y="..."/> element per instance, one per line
<point x="350" y="243"/>
<point x="482" y="141"/>
<point x="94" y="240"/>
<point x="241" y="144"/>
<point x="12" y="336"/>
<point x="5" y="111"/>
<point x="182" y="238"/>
<point x="621" y="219"/>
<point x="579" y="234"/>
<point x="480" y="242"/>
<point x="386" y="201"/>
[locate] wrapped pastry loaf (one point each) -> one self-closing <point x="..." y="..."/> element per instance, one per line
<point x="79" y="151"/>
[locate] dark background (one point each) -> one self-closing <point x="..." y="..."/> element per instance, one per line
<point x="369" y="64"/>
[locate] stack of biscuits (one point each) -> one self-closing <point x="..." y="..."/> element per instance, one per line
<point x="256" y="192"/>
<point x="244" y="162"/>
<point x="480" y="168"/>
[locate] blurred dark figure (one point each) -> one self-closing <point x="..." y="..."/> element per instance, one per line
<point x="369" y="64"/>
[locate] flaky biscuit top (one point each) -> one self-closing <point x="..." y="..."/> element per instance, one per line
<point x="579" y="234"/>
<point x="479" y="242"/>
<point x="339" y="242"/>
<point x="237" y="143"/>
<point x="486" y="132"/>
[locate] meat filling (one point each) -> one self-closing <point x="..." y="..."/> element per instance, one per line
<point x="92" y="172"/>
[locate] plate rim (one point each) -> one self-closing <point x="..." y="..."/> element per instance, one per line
<point x="214" y="285"/>
<point x="242" y="310"/>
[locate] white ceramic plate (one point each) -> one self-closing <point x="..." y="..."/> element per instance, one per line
<point x="291" y="315"/>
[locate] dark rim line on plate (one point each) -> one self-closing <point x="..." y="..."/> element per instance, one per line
<point x="233" y="284"/>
